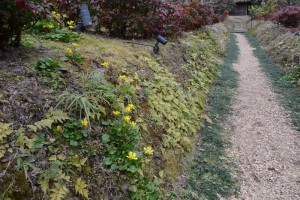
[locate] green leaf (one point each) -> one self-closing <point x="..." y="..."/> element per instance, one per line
<point x="105" y="123"/>
<point x="113" y="167"/>
<point x="132" y="169"/>
<point x="111" y="149"/>
<point x="64" y="59"/>
<point x="81" y="188"/>
<point x="85" y="133"/>
<point x="105" y="138"/>
<point x="5" y="130"/>
<point x="107" y="161"/>
<point x="74" y="143"/>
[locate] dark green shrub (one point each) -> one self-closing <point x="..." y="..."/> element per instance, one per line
<point x="15" y="16"/>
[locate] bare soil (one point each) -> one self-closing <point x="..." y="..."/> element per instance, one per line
<point x="265" y="145"/>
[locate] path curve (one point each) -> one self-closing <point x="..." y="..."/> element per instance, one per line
<point x="265" y="146"/>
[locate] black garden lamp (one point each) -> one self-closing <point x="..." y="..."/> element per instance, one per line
<point x="86" y="20"/>
<point x="161" y="40"/>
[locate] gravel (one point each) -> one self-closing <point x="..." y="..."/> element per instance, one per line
<point x="265" y="146"/>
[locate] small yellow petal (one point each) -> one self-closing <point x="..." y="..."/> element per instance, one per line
<point x="132" y="156"/>
<point x="74" y="44"/>
<point x="59" y="128"/>
<point x="104" y="64"/>
<point x="84" y="122"/>
<point x="68" y="51"/>
<point x="148" y="150"/>
<point x="127" y="118"/>
<point x="128" y="109"/>
<point x="116" y="113"/>
<point x="133" y="123"/>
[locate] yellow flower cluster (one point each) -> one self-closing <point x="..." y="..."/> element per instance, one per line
<point x="127" y="119"/>
<point x="71" y="24"/>
<point x="133" y="156"/>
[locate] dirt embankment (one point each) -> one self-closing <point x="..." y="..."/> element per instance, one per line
<point x="282" y="45"/>
<point x="169" y="91"/>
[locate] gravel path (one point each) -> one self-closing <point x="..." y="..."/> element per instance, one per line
<point x="265" y="146"/>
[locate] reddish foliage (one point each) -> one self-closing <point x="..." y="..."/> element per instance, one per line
<point x="125" y="19"/>
<point x="21" y="4"/>
<point x="224" y="15"/>
<point x="134" y="18"/>
<point x="288" y="16"/>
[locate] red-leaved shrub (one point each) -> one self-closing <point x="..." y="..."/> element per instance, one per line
<point x="15" y="16"/>
<point x="288" y="16"/>
<point x="136" y="18"/>
<point x="124" y="19"/>
<point x="224" y="16"/>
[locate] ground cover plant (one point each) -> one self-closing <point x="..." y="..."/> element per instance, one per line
<point x="84" y="116"/>
<point x="113" y="129"/>
<point x="211" y="174"/>
<point x="281" y="45"/>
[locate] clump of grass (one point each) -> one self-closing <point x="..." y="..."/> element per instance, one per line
<point x="210" y="174"/>
<point x="289" y="93"/>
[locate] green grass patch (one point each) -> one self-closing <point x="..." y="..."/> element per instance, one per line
<point x="211" y="172"/>
<point x="289" y="93"/>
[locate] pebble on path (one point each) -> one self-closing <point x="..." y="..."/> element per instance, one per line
<point x="265" y="145"/>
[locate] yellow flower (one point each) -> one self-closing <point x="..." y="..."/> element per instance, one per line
<point x="104" y="64"/>
<point x="148" y="150"/>
<point x="57" y="15"/>
<point x="132" y="156"/>
<point x="71" y="27"/>
<point x="53" y="13"/>
<point x="132" y="124"/>
<point x="70" y="23"/>
<point x="64" y="16"/>
<point x="131" y="106"/>
<point x="84" y="122"/>
<point x="123" y="78"/>
<point x="74" y="44"/>
<point x="50" y="26"/>
<point x="127" y="118"/>
<point x="116" y="113"/>
<point x="59" y="128"/>
<point x="128" y="109"/>
<point x="68" y="51"/>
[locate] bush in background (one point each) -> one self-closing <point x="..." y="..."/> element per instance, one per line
<point x="146" y="18"/>
<point x="273" y="10"/>
<point x="289" y="16"/>
<point x="15" y="16"/>
<point x="123" y="19"/>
